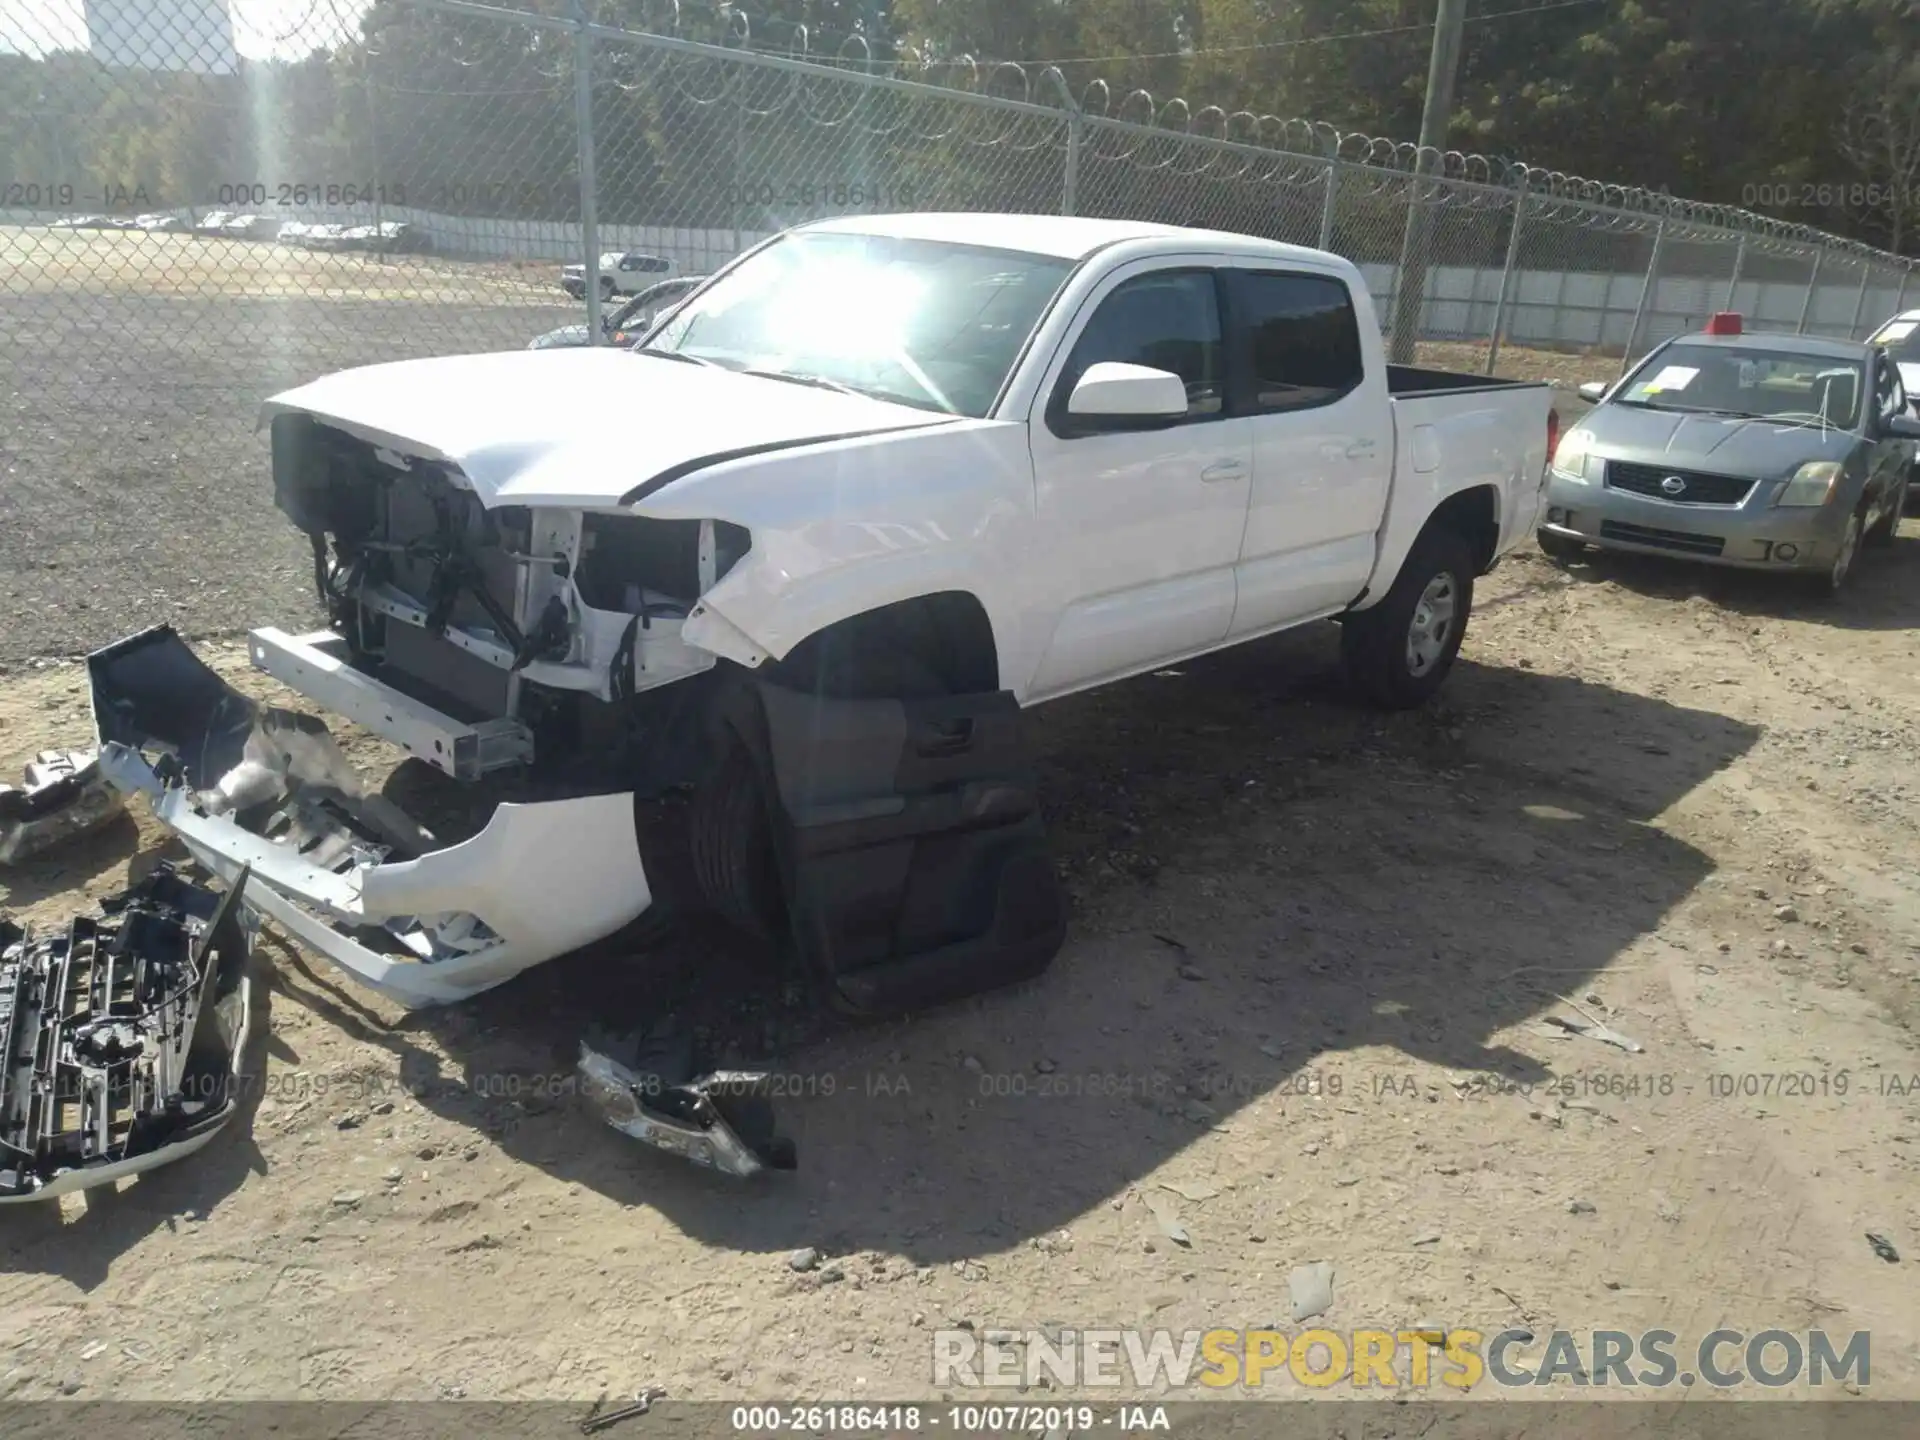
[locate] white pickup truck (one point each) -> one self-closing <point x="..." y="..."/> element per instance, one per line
<point x="802" y="556"/>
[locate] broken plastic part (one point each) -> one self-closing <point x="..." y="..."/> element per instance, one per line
<point x="65" y="796"/>
<point x="339" y="866"/>
<point x="121" y="1039"/>
<point x="722" y="1121"/>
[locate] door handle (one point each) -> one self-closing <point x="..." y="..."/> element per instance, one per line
<point x="1223" y="470"/>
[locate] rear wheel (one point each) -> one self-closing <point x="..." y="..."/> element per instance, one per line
<point x="1398" y="653"/>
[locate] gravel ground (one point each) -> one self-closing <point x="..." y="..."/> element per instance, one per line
<point x="1300" y="1011"/>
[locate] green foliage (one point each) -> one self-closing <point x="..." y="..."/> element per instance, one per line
<point x="1705" y="98"/>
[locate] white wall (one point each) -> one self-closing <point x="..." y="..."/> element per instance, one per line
<point x="1545" y="307"/>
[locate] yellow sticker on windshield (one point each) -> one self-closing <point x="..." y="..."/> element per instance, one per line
<point x="1674" y="377"/>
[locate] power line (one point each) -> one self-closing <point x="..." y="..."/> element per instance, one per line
<point x="1262" y="45"/>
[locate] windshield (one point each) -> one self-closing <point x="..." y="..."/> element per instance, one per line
<point x="920" y="322"/>
<point x="1750" y="383"/>
<point x="1901" y="340"/>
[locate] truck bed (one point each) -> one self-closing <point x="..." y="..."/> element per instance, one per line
<point x="1407" y="381"/>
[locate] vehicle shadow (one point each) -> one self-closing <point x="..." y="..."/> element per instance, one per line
<point x="1266" y="880"/>
<point x="1881" y="594"/>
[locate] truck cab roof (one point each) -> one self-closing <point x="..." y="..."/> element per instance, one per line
<point x="1065" y="237"/>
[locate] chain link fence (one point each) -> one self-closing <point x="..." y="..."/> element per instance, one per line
<point x="194" y="215"/>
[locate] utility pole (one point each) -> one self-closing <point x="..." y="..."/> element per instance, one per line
<point x="1442" y="70"/>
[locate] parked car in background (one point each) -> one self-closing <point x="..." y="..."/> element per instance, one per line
<point x="252" y="227"/>
<point x="622" y="272"/>
<point x="214" y="222"/>
<point x="1757" y="451"/>
<point x="630" y="320"/>
<point x="1900" y="338"/>
<point x="160" y="224"/>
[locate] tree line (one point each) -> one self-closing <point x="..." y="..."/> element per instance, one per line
<point x="1804" y="109"/>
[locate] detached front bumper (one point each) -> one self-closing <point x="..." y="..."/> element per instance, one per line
<point x="1752" y="536"/>
<point x="341" y="869"/>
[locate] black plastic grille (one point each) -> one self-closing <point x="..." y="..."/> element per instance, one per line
<point x="1662" y="539"/>
<point x="1702" y="489"/>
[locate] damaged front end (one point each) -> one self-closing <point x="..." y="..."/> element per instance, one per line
<point x="343" y="869"/>
<point x="121" y="1037"/>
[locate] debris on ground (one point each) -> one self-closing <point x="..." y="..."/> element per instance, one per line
<point x="1883" y="1247"/>
<point x="121" y="1036"/>
<point x="722" y="1120"/>
<point x="598" y="1420"/>
<point x="1311" y="1289"/>
<point x="1594" y="1029"/>
<point x="64" y="797"/>
<point x="1169" y="1226"/>
<point x="803" y="1259"/>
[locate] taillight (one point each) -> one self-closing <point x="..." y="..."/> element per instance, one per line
<point x="1553" y="433"/>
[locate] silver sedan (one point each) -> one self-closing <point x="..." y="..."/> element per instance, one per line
<point x="1760" y="452"/>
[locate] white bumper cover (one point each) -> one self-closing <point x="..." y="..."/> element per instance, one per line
<point x="340" y="868"/>
<point x="539" y="881"/>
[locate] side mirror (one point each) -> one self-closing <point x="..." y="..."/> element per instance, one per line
<point x="1114" y="393"/>
<point x="1593" y="391"/>
<point x="1903" y="427"/>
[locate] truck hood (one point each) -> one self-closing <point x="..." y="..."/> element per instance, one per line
<point x="581" y="428"/>
<point x="1713" y="442"/>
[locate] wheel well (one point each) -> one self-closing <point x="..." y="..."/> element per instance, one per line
<point x="948" y="633"/>
<point x="1475" y="516"/>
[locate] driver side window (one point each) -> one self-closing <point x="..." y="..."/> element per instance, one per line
<point x="1169" y="320"/>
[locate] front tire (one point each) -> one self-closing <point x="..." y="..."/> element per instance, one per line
<point x="730" y="819"/>
<point x="1882" y="534"/>
<point x="730" y="840"/>
<point x="1833" y="580"/>
<point x="1558" y="547"/>
<point x="1399" y="653"/>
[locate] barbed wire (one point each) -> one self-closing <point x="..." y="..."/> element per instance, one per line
<point x="1628" y="208"/>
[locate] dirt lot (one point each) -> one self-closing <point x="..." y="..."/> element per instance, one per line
<point x="1311" y="956"/>
<point x="1302" y="1006"/>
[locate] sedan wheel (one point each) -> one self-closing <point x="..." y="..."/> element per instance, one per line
<point x="1835" y="579"/>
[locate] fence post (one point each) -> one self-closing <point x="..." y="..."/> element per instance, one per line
<point x="1739" y="264"/>
<point x="1645" y="306"/>
<point x="1410" y="283"/>
<point x="1860" y="300"/>
<point x="1510" y="274"/>
<point x="1333" y="188"/>
<point x="1076" y="122"/>
<point x="1813" y="289"/>
<point x="589" y="200"/>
